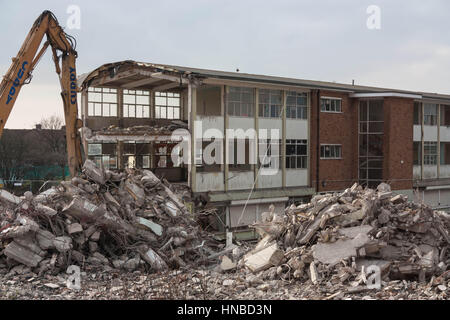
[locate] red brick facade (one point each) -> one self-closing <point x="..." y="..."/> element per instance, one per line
<point x="342" y="128"/>
<point x="398" y="142"/>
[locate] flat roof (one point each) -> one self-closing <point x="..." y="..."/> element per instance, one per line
<point x="199" y="73"/>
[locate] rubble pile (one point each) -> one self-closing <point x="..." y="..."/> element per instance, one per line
<point x="117" y="220"/>
<point x="147" y="129"/>
<point x="341" y="238"/>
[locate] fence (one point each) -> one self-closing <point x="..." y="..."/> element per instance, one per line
<point x="19" y="187"/>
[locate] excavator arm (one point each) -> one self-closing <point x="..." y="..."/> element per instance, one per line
<point x="20" y="73"/>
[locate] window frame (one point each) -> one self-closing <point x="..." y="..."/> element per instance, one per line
<point x="239" y="104"/>
<point x="331" y="99"/>
<point x="102" y="91"/>
<point x="127" y="105"/>
<point x="296" y="106"/>
<point x="272" y="108"/>
<point x="323" y="155"/>
<point x="159" y="107"/>
<point x="292" y="160"/>
<point x="427" y="155"/>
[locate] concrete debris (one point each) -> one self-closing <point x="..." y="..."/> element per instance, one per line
<point x="103" y="219"/>
<point x="265" y="258"/>
<point x="338" y="238"/>
<point x="227" y="264"/>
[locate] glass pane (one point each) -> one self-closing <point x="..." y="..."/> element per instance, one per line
<point x="363" y="111"/>
<point x="94" y="97"/>
<point x="376" y="145"/>
<point x="143" y="100"/>
<point x="160" y="101"/>
<point x="113" y="110"/>
<point x="94" y="149"/>
<point x="90" y="109"/>
<point x="129" y="99"/>
<point x="98" y="109"/>
<point x="363" y="145"/>
<point x="106" y="110"/>
<point x="109" y="97"/>
<point x="376" y="127"/>
<point x="146" y="112"/>
<point x="375" y="110"/>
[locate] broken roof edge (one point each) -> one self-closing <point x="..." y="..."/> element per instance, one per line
<point x="85" y="79"/>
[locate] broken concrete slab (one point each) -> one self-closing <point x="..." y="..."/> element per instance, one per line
<point x="74" y="228"/>
<point x="150" y="225"/>
<point x="45" y="239"/>
<point x="23" y="255"/>
<point x="333" y="253"/>
<point x="62" y="244"/>
<point x="227" y="264"/>
<point x="8" y="197"/>
<point x="153" y="259"/>
<point x="265" y="258"/>
<point x="93" y="172"/>
<point x="46" y="210"/>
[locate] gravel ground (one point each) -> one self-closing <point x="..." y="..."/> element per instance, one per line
<point x="199" y="284"/>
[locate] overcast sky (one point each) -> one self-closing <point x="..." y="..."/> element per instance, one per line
<point x="319" y="39"/>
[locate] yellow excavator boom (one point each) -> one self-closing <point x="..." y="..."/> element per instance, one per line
<point x="20" y="73"/>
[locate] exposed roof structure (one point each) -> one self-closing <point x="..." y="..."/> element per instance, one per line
<point x="161" y="77"/>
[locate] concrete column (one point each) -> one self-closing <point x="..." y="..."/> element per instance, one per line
<point x="119" y="149"/>
<point x="283" y="140"/>
<point x="192" y="107"/>
<point x="438" y="140"/>
<point x="422" y="139"/>
<point x="152" y="105"/>
<point x="120" y="106"/>
<point x="226" y="144"/>
<point x="255" y="166"/>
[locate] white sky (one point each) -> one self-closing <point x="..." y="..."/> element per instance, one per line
<point x="318" y="40"/>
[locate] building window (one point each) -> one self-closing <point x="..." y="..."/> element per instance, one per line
<point x="102" y="102"/>
<point x="417" y="153"/>
<point x="137" y="154"/>
<point x="167" y="105"/>
<point x="296" y="154"/>
<point x="269" y="103"/>
<point x="103" y="154"/>
<point x="430" y="153"/>
<point x="430" y="114"/>
<point x="445" y="153"/>
<point x="330" y="104"/>
<point x="240" y="101"/>
<point x="136" y="104"/>
<point x="269" y="153"/>
<point x="371" y="132"/>
<point x="417" y="113"/>
<point x="330" y="151"/>
<point x="445" y="115"/>
<point x="208" y="156"/>
<point x="239" y="155"/>
<point x="163" y="154"/>
<point x="296" y="105"/>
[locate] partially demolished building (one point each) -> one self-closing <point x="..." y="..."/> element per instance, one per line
<point x="330" y="135"/>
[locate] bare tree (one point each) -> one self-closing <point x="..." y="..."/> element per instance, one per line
<point x="52" y="135"/>
<point x="13" y="155"/>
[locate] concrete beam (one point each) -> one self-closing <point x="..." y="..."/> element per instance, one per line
<point x="166" y="86"/>
<point x="139" y="83"/>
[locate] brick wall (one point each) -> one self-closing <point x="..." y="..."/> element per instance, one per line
<point x="335" y="128"/>
<point x="398" y="142"/>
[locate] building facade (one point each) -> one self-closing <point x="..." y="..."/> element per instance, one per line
<point x="317" y="136"/>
